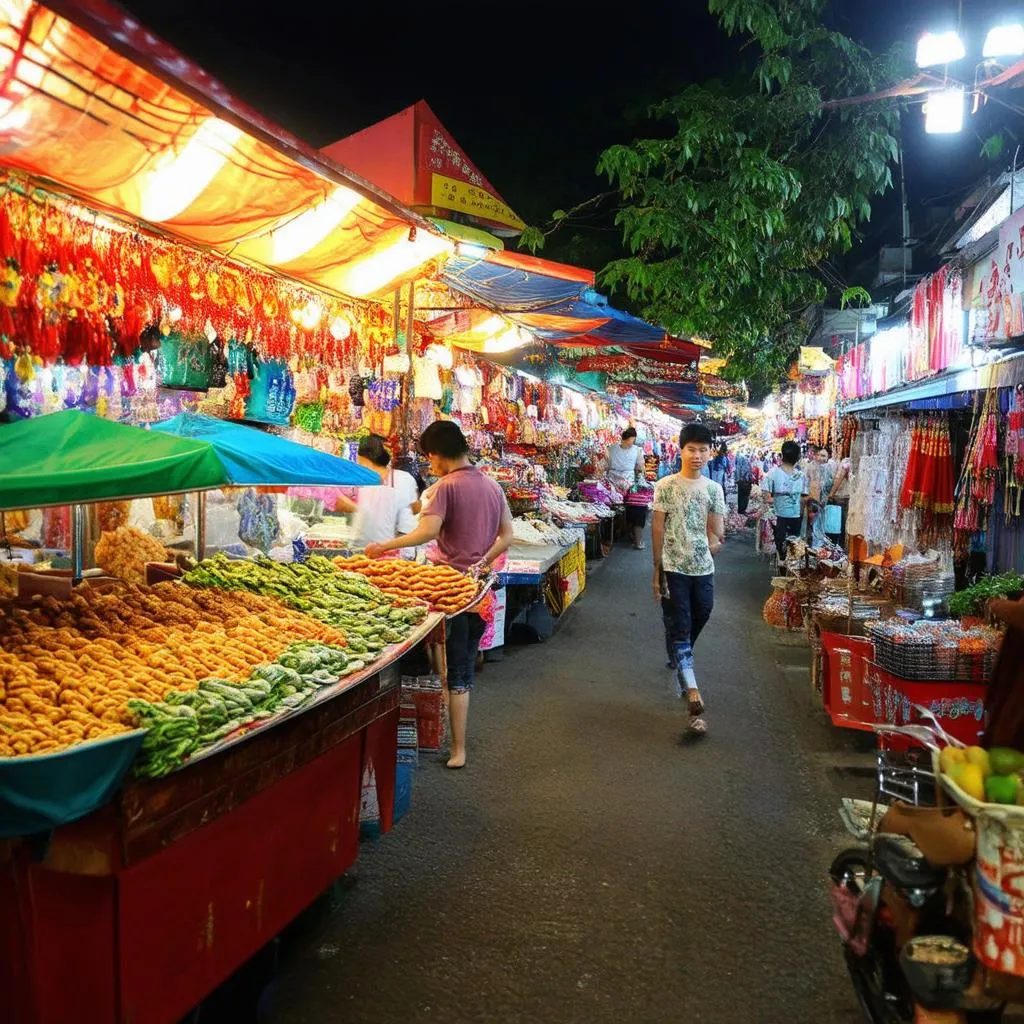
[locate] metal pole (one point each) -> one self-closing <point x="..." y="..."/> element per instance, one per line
<point x="410" y="336"/>
<point x="77" y="542"/>
<point x="200" y="526"/>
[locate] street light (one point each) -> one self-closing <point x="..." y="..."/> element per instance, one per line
<point x="1004" y="41"/>
<point x="935" y="48"/>
<point x="944" y="112"/>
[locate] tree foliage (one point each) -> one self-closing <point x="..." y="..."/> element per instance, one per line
<point x="728" y="215"/>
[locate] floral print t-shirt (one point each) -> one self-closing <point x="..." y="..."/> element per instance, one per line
<point x="687" y="505"/>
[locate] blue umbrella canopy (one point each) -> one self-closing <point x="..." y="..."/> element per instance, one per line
<point x="252" y="457"/>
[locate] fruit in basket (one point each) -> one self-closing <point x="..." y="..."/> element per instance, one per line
<point x="951" y="756"/>
<point x="972" y="781"/>
<point x="1006" y="760"/>
<point x="955" y="770"/>
<point x="1002" y="789"/>
<point x="979" y="756"/>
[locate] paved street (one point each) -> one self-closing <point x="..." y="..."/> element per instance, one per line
<point x="591" y="866"/>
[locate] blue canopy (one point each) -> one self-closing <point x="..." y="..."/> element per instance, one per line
<point x="253" y="457"/>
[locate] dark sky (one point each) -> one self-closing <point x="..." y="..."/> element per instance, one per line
<point x="532" y="90"/>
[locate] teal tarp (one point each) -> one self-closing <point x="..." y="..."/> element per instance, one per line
<point x="254" y="457"/>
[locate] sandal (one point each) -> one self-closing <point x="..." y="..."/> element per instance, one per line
<point x="698" y="725"/>
<point x="695" y="706"/>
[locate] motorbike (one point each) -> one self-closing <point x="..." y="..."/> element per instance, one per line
<point x="902" y="897"/>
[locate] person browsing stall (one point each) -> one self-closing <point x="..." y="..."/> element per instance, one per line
<point x="467" y="514"/>
<point x="383" y="512"/>
<point x="688" y="530"/>
<point x="787" y="488"/>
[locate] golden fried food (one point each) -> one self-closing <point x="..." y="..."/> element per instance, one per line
<point x="445" y="589"/>
<point x="68" y="668"/>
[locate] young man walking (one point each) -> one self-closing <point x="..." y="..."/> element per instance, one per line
<point x="688" y="529"/>
<point x="467" y="514"/>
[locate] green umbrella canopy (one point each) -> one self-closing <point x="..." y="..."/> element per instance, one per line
<point x="69" y="457"/>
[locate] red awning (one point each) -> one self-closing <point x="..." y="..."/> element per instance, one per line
<point x="91" y="101"/>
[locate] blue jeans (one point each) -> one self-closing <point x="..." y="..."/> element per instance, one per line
<point x="463" y="644"/>
<point x="691" y="599"/>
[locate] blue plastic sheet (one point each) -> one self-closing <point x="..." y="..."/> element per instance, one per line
<point x="255" y="458"/>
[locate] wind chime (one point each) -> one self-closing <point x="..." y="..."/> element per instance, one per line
<point x="1014" y="463"/>
<point x="976" y="494"/>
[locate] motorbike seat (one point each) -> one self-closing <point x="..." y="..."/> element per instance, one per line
<point x="903" y="868"/>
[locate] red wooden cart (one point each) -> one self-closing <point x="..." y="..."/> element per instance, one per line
<point x="139" y="911"/>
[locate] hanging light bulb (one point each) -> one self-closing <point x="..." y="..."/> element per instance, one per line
<point x="934" y="48"/>
<point x="178" y="179"/>
<point x="944" y="112"/>
<point x="340" y="328"/>
<point x="310" y="315"/>
<point x="296" y="237"/>
<point x="379" y="269"/>
<point x="1004" y="41"/>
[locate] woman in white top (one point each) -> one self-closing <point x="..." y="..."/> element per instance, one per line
<point x="384" y="512"/>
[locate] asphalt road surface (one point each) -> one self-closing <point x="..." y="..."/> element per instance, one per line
<point x="590" y="864"/>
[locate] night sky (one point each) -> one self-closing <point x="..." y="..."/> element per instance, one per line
<point x="532" y="90"/>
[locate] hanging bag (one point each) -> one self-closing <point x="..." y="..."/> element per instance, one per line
<point x="833" y="519"/>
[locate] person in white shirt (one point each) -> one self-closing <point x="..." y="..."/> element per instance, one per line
<point x="384" y="512"/>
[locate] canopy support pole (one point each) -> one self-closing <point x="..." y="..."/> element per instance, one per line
<point x="410" y="336"/>
<point x="200" y="526"/>
<point x="77" y="543"/>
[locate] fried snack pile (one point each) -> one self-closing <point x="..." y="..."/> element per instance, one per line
<point x="444" y="588"/>
<point x="69" y="668"/>
<point x="125" y="551"/>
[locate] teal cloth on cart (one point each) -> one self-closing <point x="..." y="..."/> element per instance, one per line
<point x="41" y="792"/>
<point x="68" y="457"/>
<point x="255" y="458"/>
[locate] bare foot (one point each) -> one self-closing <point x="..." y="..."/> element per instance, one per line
<point x="457" y="760"/>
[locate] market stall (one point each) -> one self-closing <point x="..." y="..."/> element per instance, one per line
<point x="149" y="727"/>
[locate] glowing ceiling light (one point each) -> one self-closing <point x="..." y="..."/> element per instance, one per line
<point x="944" y="112"/>
<point x="310" y="228"/>
<point x="939" y="48"/>
<point x="13" y="116"/>
<point x="178" y="179"/>
<point x="381" y="268"/>
<point x="1004" y="41"/>
<point x="507" y="341"/>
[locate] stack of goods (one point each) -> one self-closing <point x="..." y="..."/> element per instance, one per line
<point x="68" y="669"/>
<point x="370" y="618"/>
<point x="522" y="499"/>
<point x="599" y="493"/>
<point x="427" y="694"/>
<point x="935" y="651"/>
<point x="124" y="552"/>
<point x="535" y="532"/>
<point x="445" y="589"/>
<point x="576" y="511"/>
<point x="784" y="609"/>
<point x="843" y="611"/>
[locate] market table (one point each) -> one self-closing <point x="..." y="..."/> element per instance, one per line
<point x="140" y="910"/>
<point x="555" y="573"/>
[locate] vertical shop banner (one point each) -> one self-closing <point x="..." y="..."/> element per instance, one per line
<point x="1001" y="284"/>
